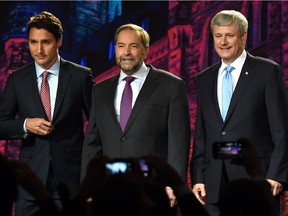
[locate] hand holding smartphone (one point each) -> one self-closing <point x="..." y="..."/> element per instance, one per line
<point x="117" y="166"/>
<point x="122" y="166"/>
<point x="227" y="150"/>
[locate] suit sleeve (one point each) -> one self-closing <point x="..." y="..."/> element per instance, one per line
<point x="92" y="143"/>
<point x="10" y="127"/>
<point x="87" y="90"/>
<point x="179" y="132"/>
<point x="277" y="110"/>
<point x="197" y="164"/>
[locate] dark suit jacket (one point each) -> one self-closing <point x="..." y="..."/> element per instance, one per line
<point x="64" y="144"/>
<point x="258" y="111"/>
<point x="159" y="123"/>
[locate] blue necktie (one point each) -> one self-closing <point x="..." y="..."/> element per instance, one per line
<point x="126" y="103"/>
<point x="227" y="90"/>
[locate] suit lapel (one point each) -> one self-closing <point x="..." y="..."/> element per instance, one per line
<point x="111" y="92"/>
<point x="246" y="73"/>
<point x="148" y="87"/>
<point x="212" y="84"/>
<point x="30" y="79"/>
<point x="64" y="78"/>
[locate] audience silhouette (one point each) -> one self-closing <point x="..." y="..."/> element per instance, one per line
<point x="133" y="193"/>
<point x="249" y="196"/>
<point x="117" y="194"/>
<point x="8" y="187"/>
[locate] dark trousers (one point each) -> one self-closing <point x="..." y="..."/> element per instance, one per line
<point x="213" y="208"/>
<point x="25" y="207"/>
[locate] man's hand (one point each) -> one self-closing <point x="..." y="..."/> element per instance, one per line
<point x="200" y="192"/>
<point x="276" y="187"/>
<point x="39" y="126"/>
<point x="171" y="196"/>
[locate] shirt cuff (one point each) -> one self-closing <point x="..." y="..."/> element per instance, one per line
<point x="26" y="132"/>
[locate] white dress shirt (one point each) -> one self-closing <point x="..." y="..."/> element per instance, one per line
<point x="52" y="80"/>
<point x="237" y="65"/>
<point x="136" y="85"/>
<point x="53" y="84"/>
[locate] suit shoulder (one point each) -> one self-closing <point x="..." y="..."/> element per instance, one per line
<point x="265" y="61"/>
<point x="24" y="69"/>
<point x="77" y="71"/>
<point x="74" y="66"/>
<point x="163" y="74"/>
<point x="108" y="80"/>
<point x="266" y="66"/>
<point x="207" y="71"/>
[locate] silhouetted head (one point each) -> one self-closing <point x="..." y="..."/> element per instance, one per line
<point x="247" y="197"/>
<point x="119" y="195"/>
<point x="8" y="186"/>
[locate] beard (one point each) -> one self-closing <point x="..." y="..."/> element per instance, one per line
<point x="132" y="67"/>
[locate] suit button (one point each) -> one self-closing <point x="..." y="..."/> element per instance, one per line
<point x="223" y="133"/>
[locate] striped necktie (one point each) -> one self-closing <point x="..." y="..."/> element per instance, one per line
<point x="45" y="94"/>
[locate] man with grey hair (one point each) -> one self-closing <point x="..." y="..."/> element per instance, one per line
<point x="242" y="96"/>
<point x="159" y="122"/>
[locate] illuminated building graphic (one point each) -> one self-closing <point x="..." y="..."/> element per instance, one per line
<point x="181" y="40"/>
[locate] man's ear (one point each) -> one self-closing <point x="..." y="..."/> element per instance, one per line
<point x="244" y="39"/>
<point x="59" y="42"/>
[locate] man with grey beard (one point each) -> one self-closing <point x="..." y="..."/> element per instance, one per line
<point x="159" y="123"/>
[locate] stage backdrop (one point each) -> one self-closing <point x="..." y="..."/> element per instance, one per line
<point x="181" y="40"/>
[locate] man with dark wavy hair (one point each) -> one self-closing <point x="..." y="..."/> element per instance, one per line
<point x="43" y="104"/>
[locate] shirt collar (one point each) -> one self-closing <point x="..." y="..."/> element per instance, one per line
<point x="237" y="64"/>
<point x="140" y="74"/>
<point x="54" y="69"/>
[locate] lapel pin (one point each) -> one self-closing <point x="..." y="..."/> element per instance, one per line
<point x="246" y="73"/>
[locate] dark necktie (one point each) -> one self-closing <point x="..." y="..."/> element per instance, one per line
<point x="227" y="90"/>
<point x="45" y="94"/>
<point x="126" y="102"/>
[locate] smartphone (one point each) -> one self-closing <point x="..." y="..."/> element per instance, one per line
<point x="118" y="166"/>
<point x="145" y="167"/>
<point x="226" y="150"/>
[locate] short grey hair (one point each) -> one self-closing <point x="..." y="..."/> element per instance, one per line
<point x="227" y="17"/>
<point x="145" y="38"/>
